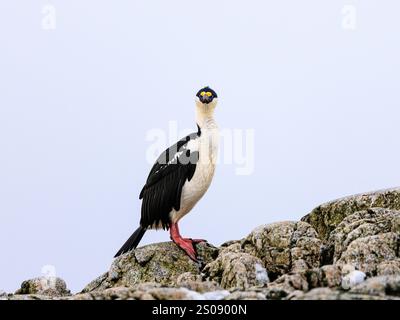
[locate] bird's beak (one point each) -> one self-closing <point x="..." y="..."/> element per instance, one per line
<point x="205" y="99"/>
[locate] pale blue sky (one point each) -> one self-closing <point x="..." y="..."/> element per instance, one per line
<point x="77" y="102"/>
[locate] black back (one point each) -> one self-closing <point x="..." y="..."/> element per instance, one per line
<point x="163" y="188"/>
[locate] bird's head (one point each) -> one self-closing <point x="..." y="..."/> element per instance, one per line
<point x="206" y="98"/>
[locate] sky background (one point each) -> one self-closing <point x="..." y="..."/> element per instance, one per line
<point x="77" y="102"/>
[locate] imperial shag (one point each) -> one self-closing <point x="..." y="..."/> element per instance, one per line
<point x="179" y="178"/>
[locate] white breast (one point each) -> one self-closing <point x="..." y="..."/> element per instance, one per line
<point x="193" y="190"/>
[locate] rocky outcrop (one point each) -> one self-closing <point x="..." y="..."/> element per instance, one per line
<point x="376" y="288"/>
<point x="365" y="239"/>
<point x="161" y="263"/>
<point x="284" y="247"/>
<point x="345" y="249"/>
<point x="236" y="269"/>
<point x="326" y="217"/>
<point x="44" y="286"/>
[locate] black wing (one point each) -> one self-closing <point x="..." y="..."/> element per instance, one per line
<point x="163" y="188"/>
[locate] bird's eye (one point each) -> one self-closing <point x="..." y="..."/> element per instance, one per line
<point x="202" y="93"/>
<point x="209" y="94"/>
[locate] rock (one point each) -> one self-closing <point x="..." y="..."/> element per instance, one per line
<point x="354" y="256"/>
<point x="45" y="286"/>
<point x="331" y="294"/>
<point x="29" y="297"/>
<point x="362" y="224"/>
<point x="352" y="279"/>
<point x="246" y="295"/>
<point x="229" y="243"/>
<point x="174" y="294"/>
<point x="141" y="293"/>
<point x="146" y="291"/>
<point x="368" y="252"/>
<point x="387" y="268"/>
<point x="316" y="294"/>
<point x="196" y="283"/>
<point x="151" y="291"/>
<point x="284" y="247"/>
<point x="216" y="295"/>
<point x="285" y="285"/>
<point x="379" y="286"/>
<point x="236" y="269"/>
<point x="161" y="263"/>
<point x="346" y="269"/>
<point x="326" y="276"/>
<point x="284" y="260"/>
<point x="261" y="275"/>
<point x="326" y="217"/>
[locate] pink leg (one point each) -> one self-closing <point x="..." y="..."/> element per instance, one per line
<point x="185" y="244"/>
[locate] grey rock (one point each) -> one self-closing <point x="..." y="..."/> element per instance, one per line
<point x="196" y="283"/>
<point x="151" y="291"/>
<point x="30" y="297"/>
<point x="316" y="294"/>
<point x="326" y="217"/>
<point x="362" y="224"/>
<point x="235" y="269"/>
<point x="161" y="263"/>
<point x="142" y="292"/>
<point x="284" y="247"/>
<point x="216" y="295"/>
<point x="44" y="286"/>
<point x="285" y="285"/>
<point x="387" y="268"/>
<point x="325" y="276"/>
<point x="246" y="295"/>
<point x="352" y="279"/>
<point x="383" y="286"/>
<point x="368" y="252"/>
<point x="332" y="294"/>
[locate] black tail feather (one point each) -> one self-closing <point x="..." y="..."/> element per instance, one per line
<point x="132" y="242"/>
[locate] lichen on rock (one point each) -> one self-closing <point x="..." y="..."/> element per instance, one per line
<point x="235" y="269"/>
<point x="44" y="286"/>
<point x="161" y="263"/>
<point x="326" y="217"/>
<point x="284" y="247"/>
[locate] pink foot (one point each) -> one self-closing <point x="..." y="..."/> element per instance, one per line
<point x="186" y="244"/>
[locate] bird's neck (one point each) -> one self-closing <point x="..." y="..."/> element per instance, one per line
<point x="205" y="118"/>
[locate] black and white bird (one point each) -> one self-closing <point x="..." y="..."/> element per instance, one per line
<point x="179" y="178"/>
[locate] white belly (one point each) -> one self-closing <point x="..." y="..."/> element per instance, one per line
<point x="194" y="189"/>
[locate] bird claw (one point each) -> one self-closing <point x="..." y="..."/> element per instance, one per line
<point x="187" y="245"/>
